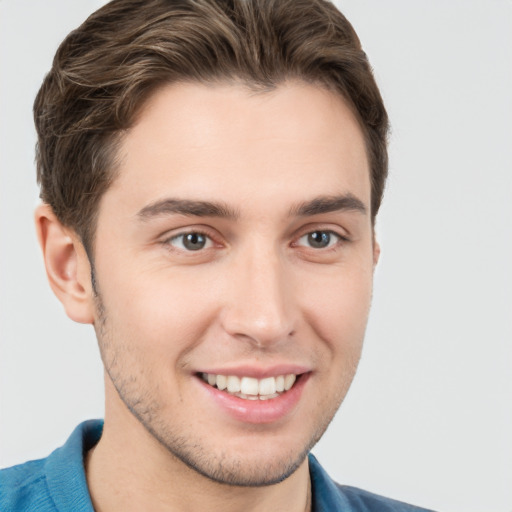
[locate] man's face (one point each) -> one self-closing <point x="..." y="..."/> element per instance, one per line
<point x="235" y="246"/>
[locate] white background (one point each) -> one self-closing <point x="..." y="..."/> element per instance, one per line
<point x="429" y="417"/>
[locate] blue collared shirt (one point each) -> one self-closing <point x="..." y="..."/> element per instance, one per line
<point x="57" y="483"/>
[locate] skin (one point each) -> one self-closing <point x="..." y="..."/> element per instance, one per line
<point x="258" y="294"/>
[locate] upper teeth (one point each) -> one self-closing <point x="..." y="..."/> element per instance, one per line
<point x="249" y="386"/>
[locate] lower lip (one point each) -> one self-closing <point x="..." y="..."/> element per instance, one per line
<point x="258" y="411"/>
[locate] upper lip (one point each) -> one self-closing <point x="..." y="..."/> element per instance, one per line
<point x="258" y="372"/>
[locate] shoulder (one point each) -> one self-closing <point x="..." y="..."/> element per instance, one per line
<point x="329" y="496"/>
<point x="24" y="488"/>
<point x="56" y="483"/>
<point x="362" y="500"/>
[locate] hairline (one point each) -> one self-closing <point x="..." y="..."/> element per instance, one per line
<point x="113" y="143"/>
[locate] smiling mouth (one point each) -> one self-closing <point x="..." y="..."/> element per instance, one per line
<point x="249" y="388"/>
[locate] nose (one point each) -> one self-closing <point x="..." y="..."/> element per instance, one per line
<point x="259" y="305"/>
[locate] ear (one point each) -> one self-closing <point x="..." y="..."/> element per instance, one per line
<point x="376" y="252"/>
<point x="67" y="265"/>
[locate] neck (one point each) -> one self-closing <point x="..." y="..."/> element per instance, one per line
<point x="130" y="470"/>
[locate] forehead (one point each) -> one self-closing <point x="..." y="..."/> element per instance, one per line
<point x="196" y="141"/>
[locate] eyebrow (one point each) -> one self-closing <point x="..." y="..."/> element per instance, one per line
<point x="328" y="204"/>
<point x="316" y="206"/>
<point x="187" y="207"/>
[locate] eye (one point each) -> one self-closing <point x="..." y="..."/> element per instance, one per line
<point x="192" y="241"/>
<point x="319" y="239"/>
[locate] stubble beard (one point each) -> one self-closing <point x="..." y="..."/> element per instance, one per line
<point x="223" y="468"/>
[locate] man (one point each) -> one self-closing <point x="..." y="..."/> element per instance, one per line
<point x="210" y="174"/>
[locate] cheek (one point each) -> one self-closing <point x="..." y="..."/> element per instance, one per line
<point x="159" y="314"/>
<point x="338" y="309"/>
<point x="149" y="330"/>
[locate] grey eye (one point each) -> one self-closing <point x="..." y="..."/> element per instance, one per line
<point x="319" y="239"/>
<point x="191" y="241"/>
<point x="194" y="241"/>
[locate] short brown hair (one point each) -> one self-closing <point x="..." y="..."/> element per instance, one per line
<point x="104" y="71"/>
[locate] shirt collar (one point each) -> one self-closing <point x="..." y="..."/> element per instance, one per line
<point x="326" y="495"/>
<point x="68" y="486"/>
<point x="65" y="473"/>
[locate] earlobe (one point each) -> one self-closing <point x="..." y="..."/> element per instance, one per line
<point x="67" y="265"/>
<point x="376" y="252"/>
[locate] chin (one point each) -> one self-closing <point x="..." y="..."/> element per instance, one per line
<point x="249" y="461"/>
<point x="245" y="471"/>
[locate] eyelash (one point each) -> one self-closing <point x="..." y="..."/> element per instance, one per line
<point x="210" y="242"/>
<point x="195" y="233"/>
<point x="332" y="244"/>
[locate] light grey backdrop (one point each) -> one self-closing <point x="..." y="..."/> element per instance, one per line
<point x="429" y="417"/>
